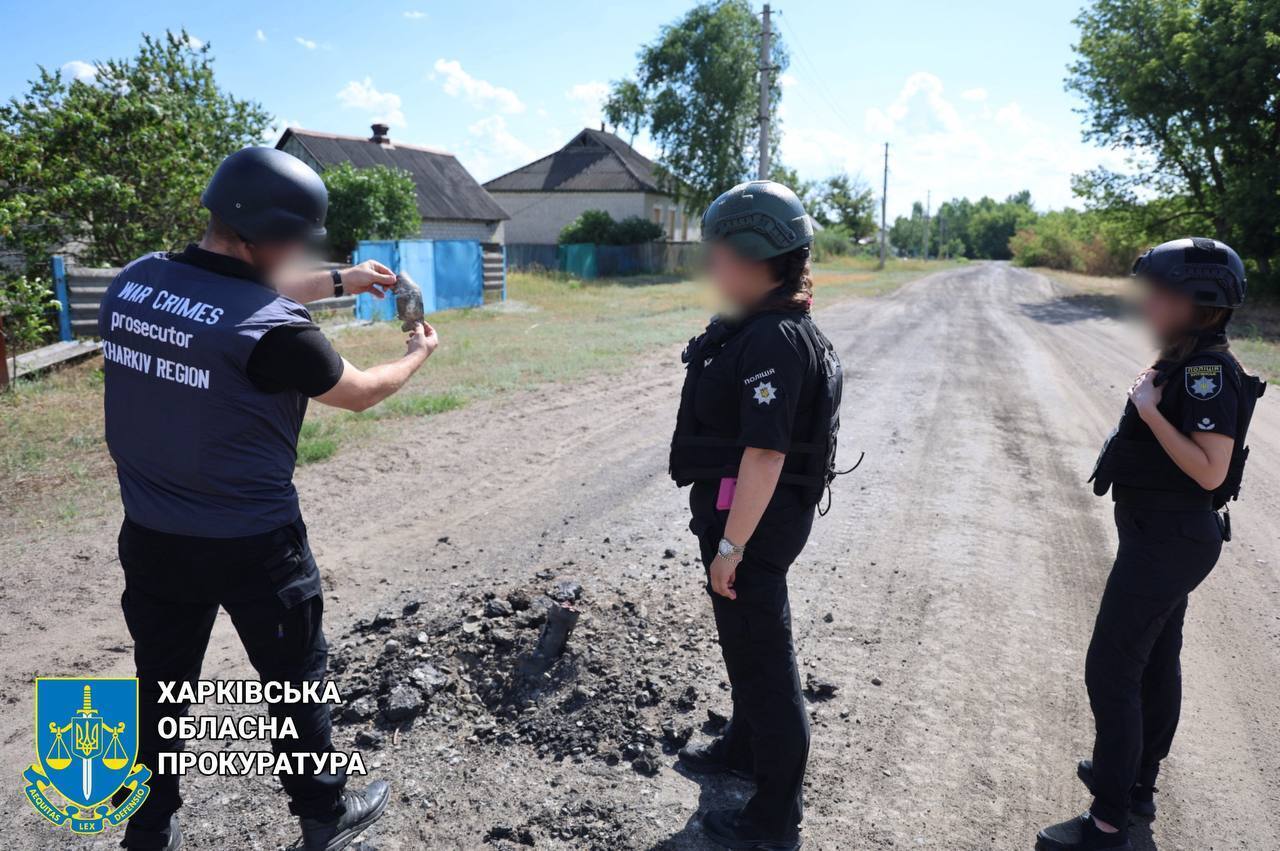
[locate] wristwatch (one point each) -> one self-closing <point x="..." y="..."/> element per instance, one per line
<point x="728" y="549"/>
<point x="337" y="282"/>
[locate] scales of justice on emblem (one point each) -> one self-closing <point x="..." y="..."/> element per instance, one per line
<point x="87" y="745"/>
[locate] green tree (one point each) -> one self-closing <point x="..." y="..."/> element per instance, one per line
<point x="848" y="200"/>
<point x="696" y="94"/>
<point x="369" y="203"/>
<point x="26" y="309"/>
<point x="115" y="165"/>
<point x="1188" y="87"/>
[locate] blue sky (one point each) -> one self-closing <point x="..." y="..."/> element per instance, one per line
<point x="970" y="96"/>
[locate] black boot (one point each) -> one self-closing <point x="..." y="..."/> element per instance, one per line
<point x="169" y="839"/>
<point x="711" y="758"/>
<point x="1142" y="799"/>
<point x="1081" y="834"/>
<point x="728" y="830"/>
<point x="362" y="810"/>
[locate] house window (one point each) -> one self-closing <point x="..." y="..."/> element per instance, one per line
<point x="671" y="223"/>
<point x="657" y="215"/>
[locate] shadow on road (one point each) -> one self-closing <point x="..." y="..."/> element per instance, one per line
<point x="1078" y="307"/>
<point x="715" y="792"/>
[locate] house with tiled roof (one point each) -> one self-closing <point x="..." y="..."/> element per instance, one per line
<point x="596" y="170"/>
<point x="452" y="203"/>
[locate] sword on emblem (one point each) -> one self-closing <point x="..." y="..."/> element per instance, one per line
<point x="88" y="741"/>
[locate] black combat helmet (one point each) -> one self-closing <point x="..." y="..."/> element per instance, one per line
<point x="1207" y="270"/>
<point x="266" y="195"/>
<point x="759" y="219"/>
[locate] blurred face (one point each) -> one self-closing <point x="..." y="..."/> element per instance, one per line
<point x="737" y="281"/>
<point x="1167" y="314"/>
<point x="270" y="258"/>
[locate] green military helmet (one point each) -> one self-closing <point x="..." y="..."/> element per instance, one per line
<point x="759" y="219"/>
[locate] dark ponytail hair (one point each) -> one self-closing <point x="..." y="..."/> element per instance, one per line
<point x="795" y="283"/>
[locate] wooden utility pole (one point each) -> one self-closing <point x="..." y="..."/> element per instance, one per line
<point x="884" y="206"/>
<point x="766" y="36"/>
<point x="924" y="247"/>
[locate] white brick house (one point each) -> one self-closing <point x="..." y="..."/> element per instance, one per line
<point x="452" y="203"/>
<point x="595" y="171"/>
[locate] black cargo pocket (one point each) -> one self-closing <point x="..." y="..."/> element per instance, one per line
<point x="295" y="578"/>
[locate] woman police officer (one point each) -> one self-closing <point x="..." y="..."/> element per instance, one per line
<point x="755" y="436"/>
<point x="1175" y="458"/>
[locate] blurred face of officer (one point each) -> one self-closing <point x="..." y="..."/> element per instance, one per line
<point x="271" y="257"/>
<point x="1168" y="314"/>
<point x="739" y="282"/>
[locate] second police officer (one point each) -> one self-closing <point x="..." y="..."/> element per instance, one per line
<point x="1175" y="459"/>
<point x="755" y="436"/>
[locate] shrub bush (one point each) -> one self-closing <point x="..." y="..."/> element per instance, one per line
<point x="598" y="227"/>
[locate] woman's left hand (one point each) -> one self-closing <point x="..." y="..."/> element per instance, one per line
<point x="723" y="574"/>
<point x="1144" y="393"/>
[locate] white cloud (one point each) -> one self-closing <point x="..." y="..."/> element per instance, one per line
<point x="306" y="42"/>
<point x="787" y="80"/>
<point x="194" y="43"/>
<point x="381" y="106"/>
<point x="415" y="15"/>
<point x="492" y="148"/>
<point x="80" y="70"/>
<point x="936" y="146"/>
<point x="590" y="97"/>
<point x="479" y="93"/>
<point x="260" y="35"/>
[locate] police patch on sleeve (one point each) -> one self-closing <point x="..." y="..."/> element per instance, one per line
<point x="1204" y="381"/>
<point x="764" y="393"/>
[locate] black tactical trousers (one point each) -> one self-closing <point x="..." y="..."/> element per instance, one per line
<point x="1133" y="670"/>
<point x="270" y="586"/>
<point x="769" y="732"/>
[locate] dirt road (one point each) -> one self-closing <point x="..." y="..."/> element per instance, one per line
<point x="959" y="568"/>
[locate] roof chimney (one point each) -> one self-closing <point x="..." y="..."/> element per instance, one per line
<point x="601" y="126"/>
<point x="381" y="134"/>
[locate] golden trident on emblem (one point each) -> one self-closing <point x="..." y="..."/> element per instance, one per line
<point x="87" y="727"/>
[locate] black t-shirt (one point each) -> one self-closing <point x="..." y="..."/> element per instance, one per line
<point x="1203" y="396"/>
<point x="759" y="389"/>
<point x="289" y="357"/>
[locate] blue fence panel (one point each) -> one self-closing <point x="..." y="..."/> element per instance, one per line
<point x="459" y="278"/>
<point x="450" y="273"/>
<point x="417" y="259"/>
<point x="64" y="300"/>
<point x="386" y="252"/>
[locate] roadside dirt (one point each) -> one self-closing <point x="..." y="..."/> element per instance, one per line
<point x="947" y="597"/>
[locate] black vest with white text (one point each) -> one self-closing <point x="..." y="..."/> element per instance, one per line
<point x="198" y="449"/>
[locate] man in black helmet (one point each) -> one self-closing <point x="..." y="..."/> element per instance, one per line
<point x="210" y="358"/>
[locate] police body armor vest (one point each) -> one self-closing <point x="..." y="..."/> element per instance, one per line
<point x="811" y="461"/>
<point x="198" y="449"/>
<point x="1144" y="464"/>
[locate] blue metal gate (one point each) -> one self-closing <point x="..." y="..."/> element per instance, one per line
<point x="450" y="272"/>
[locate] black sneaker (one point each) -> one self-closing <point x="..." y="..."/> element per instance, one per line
<point x="1142" y="799"/>
<point x="362" y="810"/>
<point x="709" y="759"/>
<point x="154" y="840"/>
<point x="726" y="829"/>
<point x="1081" y="834"/>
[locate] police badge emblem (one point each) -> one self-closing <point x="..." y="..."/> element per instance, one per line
<point x="764" y="393"/>
<point x="87" y="748"/>
<point x="1204" y="381"/>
